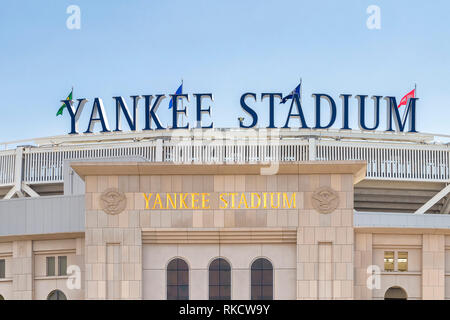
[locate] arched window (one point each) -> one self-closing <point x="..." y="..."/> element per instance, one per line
<point x="177" y="280"/>
<point x="1" y="297"/>
<point x="56" y="295"/>
<point x="395" y="293"/>
<point x="262" y="279"/>
<point x="219" y="280"/>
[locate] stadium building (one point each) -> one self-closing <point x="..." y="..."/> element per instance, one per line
<point x="226" y="214"/>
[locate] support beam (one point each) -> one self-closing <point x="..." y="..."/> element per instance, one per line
<point x="10" y="193"/>
<point x="19" y="186"/>
<point x="18" y="165"/>
<point x="13" y="191"/>
<point x="446" y="207"/>
<point x="433" y="200"/>
<point x="159" y="150"/>
<point x="312" y="149"/>
<point x="30" y="191"/>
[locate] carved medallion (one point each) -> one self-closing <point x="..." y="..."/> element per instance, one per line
<point x="325" y="200"/>
<point x="112" y="201"/>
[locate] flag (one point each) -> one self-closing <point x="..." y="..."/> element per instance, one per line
<point x="293" y="92"/>
<point x="409" y="95"/>
<point x="60" y="110"/>
<point x="179" y="91"/>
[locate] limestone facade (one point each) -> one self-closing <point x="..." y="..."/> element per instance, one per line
<point x="313" y="246"/>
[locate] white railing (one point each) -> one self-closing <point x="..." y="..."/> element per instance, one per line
<point x="385" y="161"/>
<point x="46" y="165"/>
<point x="7" y="162"/>
<point x="392" y="162"/>
<point x="235" y="152"/>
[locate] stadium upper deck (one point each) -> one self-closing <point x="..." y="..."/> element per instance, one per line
<point x="404" y="170"/>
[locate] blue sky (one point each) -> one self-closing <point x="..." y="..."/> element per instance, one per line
<point x="224" y="47"/>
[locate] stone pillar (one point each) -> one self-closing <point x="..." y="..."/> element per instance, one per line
<point x="363" y="259"/>
<point x="325" y="237"/>
<point x="113" y="239"/>
<point x="433" y="267"/>
<point x="22" y="270"/>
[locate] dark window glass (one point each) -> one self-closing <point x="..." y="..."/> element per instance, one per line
<point x="225" y="291"/>
<point x="256" y="292"/>
<point x="219" y="280"/>
<point x="56" y="295"/>
<point x="62" y="265"/>
<point x="267" y="277"/>
<point x="2" y="268"/>
<point x="395" y="293"/>
<point x="183" y="292"/>
<point x="50" y="266"/>
<point x="213" y="292"/>
<point x="177" y="280"/>
<point x="262" y="280"/>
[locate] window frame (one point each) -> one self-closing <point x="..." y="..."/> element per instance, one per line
<point x="58" y="294"/>
<point x="185" y="286"/>
<point x="47" y="266"/>
<point x="392" y="269"/>
<point x="64" y="271"/>
<point x="405" y="263"/>
<point x="262" y="286"/>
<point x="222" y="262"/>
<point x="2" y="268"/>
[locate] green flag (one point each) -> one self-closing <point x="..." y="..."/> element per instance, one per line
<point x="69" y="97"/>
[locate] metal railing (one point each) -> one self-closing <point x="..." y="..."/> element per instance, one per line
<point x="236" y="152"/>
<point x="7" y="167"/>
<point x="392" y="162"/>
<point x="385" y="161"/>
<point x="43" y="165"/>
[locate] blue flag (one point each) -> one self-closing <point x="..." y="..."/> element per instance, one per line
<point x="179" y="91"/>
<point x="296" y="91"/>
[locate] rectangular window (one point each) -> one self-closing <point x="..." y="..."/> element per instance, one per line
<point x="2" y="268"/>
<point x="402" y="261"/>
<point x="50" y="266"/>
<point x="389" y="261"/>
<point x="62" y="265"/>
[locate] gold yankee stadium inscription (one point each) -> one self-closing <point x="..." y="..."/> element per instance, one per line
<point x="226" y="200"/>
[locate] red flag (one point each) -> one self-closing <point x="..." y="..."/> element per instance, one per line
<point x="404" y="100"/>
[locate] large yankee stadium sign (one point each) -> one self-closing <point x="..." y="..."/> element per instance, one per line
<point x="202" y="106"/>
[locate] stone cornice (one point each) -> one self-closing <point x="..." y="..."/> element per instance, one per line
<point x="219" y="236"/>
<point x="99" y="168"/>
